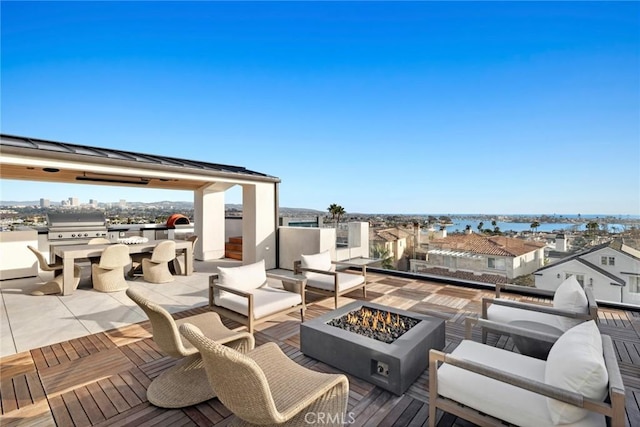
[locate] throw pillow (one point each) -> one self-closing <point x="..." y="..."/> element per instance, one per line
<point x="576" y="363"/>
<point x="570" y="296"/>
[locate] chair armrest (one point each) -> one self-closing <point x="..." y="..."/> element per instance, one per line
<point x="534" y="307"/>
<point x="214" y="286"/>
<point x="538" y="387"/>
<point x="362" y="272"/>
<point x="313" y="270"/>
<point x="295" y="284"/>
<point x="509" y="329"/>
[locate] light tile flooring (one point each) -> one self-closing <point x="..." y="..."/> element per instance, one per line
<point x="28" y="322"/>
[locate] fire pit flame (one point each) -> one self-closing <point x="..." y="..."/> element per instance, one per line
<point x="373" y="323"/>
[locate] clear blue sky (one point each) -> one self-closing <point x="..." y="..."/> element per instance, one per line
<point x="410" y="107"/>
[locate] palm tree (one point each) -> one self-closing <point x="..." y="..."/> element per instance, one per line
<point x="382" y="253"/>
<point x="480" y="225"/>
<point x="592" y="227"/>
<point x="336" y="212"/>
<point x="534" y="226"/>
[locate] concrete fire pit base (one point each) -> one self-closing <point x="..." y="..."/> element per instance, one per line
<point x="393" y="367"/>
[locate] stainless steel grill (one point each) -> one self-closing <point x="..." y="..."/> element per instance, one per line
<point x="66" y="226"/>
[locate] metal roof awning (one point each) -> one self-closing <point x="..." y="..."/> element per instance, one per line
<point x="458" y="254"/>
<point x="25" y="158"/>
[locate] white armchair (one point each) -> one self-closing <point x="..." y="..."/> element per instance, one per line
<point x="322" y="277"/>
<point x="579" y="383"/>
<point x="572" y="305"/>
<point x="249" y="295"/>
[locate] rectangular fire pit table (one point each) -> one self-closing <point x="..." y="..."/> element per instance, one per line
<point x="393" y="367"/>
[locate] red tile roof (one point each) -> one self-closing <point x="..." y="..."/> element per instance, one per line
<point x="486" y="245"/>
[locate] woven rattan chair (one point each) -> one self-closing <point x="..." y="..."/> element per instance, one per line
<point x="53" y="286"/>
<point x="185" y="383"/>
<point x="156" y="268"/>
<point x="265" y="387"/>
<point x="108" y="274"/>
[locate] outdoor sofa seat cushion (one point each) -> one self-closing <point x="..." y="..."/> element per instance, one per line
<point x="244" y="277"/>
<point x="319" y="261"/>
<point x="497" y="398"/>
<point x="322" y="261"/>
<point x="504" y="314"/>
<point x="327" y="282"/>
<point x="266" y="301"/>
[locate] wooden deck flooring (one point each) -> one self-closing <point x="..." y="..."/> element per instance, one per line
<point x="101" y="379"/>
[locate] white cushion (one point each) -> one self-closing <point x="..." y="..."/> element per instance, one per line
<point x="498" y="399"/>
<point x="321" y="261"/>
<point x="266" y="301"/>
<point x="245" y="277"/>
<point x="327" y="281"/>
<point x="570" y="296"/>
<point x="503" y="314"/>
<point x="576" y="363"/>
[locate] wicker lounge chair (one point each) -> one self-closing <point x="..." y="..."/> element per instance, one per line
<point x="108" y="274"/>
<point x="579" y="384"/>
<point x="156" y="268"/>
<point x="323" y="279"/>
<point x="249" y="295"/>
<point x="265" y="387"/>
<point x="185" y="383"/>
<point x="572" y="305"/>
<point x="53" y="286"/>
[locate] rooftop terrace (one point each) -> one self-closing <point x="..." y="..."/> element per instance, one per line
<point x="87" y="358"/>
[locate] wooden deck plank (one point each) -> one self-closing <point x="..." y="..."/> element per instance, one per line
<point x="17" y="364"/>
<point x="75" y="373"/>
<point x="78" y="416"/>
<point x="89" y="405"/>
<point x="103" y="402"/>
<point x="8" y="396"/>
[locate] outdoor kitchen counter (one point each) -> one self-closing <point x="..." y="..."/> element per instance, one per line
<point x="68" y="254"/>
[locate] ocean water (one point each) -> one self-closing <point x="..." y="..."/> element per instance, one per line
<point x="460" y="225"/>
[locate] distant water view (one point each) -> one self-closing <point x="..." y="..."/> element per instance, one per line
<point x="460" y="225"/>
<point x="522" y="222"/>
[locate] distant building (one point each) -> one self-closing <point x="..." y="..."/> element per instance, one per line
<point x="45" y="203"/>
<point x="73" y="201"/>
<point x="122" y="204"/>
<point x="612" y="269"/>
<point x="473" y="253"/>
<point x="394" y="240"/>
<point x="93" y="203"/>
<point x="561" y="243"/>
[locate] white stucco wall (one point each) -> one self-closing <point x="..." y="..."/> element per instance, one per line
<point x="259" y="223"/>
<point x="550" y="278"/>
<point x="294" y="241"/>
<point x="208" y="218"/>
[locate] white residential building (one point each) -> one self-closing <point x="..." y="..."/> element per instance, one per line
<point x="478" y="254"/>
<point x="612" y="269"/>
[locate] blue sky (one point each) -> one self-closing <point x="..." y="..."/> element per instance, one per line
<point x="404" y="107"/>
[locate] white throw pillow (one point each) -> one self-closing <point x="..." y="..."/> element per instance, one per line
<point x="570" y="296"/>
<point x="321" y="261"/>
<point x="576" y="363"/>
<point x="245" y="277"/>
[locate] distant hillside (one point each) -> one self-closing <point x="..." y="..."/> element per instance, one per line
<point x="175" y="204"/>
